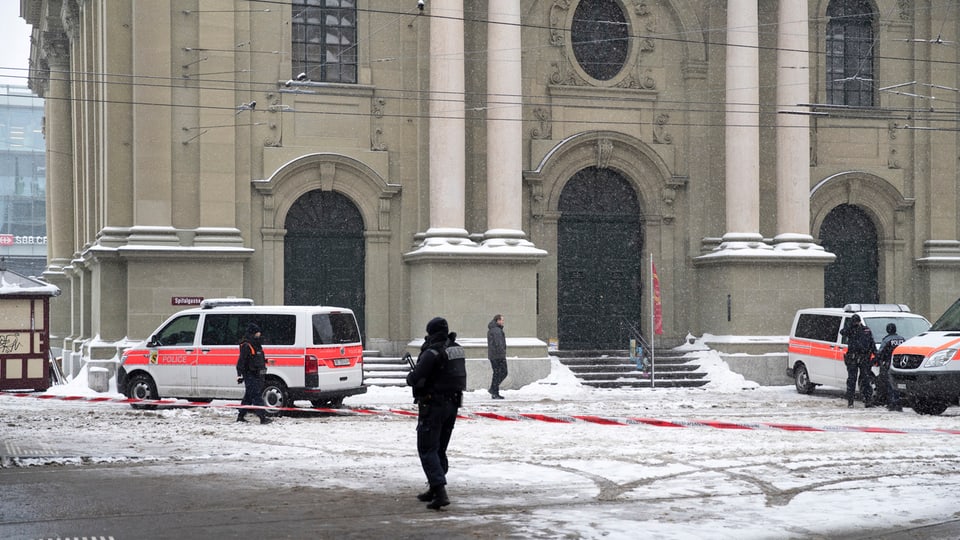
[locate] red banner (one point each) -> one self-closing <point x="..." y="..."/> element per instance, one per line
<point x="657" y="313"/>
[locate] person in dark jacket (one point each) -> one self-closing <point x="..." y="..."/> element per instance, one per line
<point x="886" y="393"/>
<point x="859" y="359"/>
<point x="497" y="353"/>
<point x="251" y="368"/>
<point x="438" y="380"/>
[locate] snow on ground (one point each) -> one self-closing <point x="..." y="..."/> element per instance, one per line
<point x="563" y="480"/>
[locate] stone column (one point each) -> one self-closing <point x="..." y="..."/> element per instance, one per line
<point x="450" y="275"/>
<point x="742" y="130"/>
<point x="793" y="130"/>
<point x="58" y="132"/>
<point x="447" y="125"/>
<point x="504" y="124"/>
<point x="739" y="279"/>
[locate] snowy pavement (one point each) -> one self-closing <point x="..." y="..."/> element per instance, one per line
<point x="545" y="479"/>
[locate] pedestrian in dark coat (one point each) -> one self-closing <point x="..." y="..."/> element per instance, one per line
<point x="497" y="353"/>
<point x="886" y="393"/>
<point x="251" y="369"/>
<point x="438" y="380"/>
<point x="859" y="359"/>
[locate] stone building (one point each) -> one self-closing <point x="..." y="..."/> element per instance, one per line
<point x="524" y="157"/>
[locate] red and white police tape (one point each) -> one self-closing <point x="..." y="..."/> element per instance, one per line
<point x="510" y="417"/>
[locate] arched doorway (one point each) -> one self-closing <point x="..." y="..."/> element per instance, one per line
<point x="599" y="259"/>
<point x="849" y="233"/>
<point x="324" y="253"/>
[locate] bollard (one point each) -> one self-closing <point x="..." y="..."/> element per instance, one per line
<point x="98" y="379"/>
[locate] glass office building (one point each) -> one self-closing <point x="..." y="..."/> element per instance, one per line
<point x="23" y="227"/>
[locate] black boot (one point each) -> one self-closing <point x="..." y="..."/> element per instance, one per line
<point x="240" y="417"/>
<point x="439" y="498"/>
<point x="426" y="496"/>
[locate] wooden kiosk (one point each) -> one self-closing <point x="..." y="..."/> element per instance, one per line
<point x="24" y="331"/>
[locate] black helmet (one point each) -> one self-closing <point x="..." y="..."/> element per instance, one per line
<point x="891" y="328"/>
<point x="437" y="325"/>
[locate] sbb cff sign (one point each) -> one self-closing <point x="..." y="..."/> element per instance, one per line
<point x="11" y="240"/>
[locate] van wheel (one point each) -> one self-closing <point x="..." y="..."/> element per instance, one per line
<point x="802" y="379"/>
<point x="141" y="386"/>
<point x="275" y="395"/>
<point x="335" y="403"/>
<point x="929" y="406"/>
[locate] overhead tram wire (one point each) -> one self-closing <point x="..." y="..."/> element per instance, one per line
<point x="683" y="107"/>
<point x="885" y="114"/>
<point x="654" y="37"/>
<point x="600" y="103"/>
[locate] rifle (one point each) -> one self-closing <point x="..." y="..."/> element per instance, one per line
<point x="409" y="359"/>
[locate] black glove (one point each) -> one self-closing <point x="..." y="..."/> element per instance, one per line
<point x="239" y="379"/>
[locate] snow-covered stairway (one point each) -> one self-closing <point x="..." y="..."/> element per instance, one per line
<point x="614" y="369"/>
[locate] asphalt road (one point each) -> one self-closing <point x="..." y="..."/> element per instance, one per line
<point x="151" y="501"/>
<point x="71" y="470"/>
<point x="145" y="501"/>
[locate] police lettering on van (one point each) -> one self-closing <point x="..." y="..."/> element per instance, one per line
<point x="313" y="353"/>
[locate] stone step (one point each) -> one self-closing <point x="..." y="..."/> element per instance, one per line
<point x="615" y="369"/>
<point x="384" y="371"/>
<point x="679" y="383"/>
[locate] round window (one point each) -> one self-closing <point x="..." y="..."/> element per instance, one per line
<point x="600" y="37"/>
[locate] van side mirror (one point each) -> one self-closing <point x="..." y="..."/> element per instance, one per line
<point x="152" y="342"/>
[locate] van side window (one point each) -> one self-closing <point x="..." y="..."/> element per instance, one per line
<point x="277" y="329"/>
<point x="228" y="328"/>
<point x="818" y="327"/>
<point x="335" y="328"/>
<point x="180" y="331"/>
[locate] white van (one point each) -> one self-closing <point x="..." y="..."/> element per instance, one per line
<point x="925" y="369"/>
<point x="313" y="353"/>
<point x="816" y="348"/>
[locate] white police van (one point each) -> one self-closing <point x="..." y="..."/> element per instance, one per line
<point x="313" y="353"/>
<point x="816" y="348"/>
<point x="925" y="369"/>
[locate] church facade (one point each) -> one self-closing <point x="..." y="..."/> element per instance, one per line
<point x="535" y="158"/>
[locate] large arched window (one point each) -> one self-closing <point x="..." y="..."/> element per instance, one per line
<point x="850" y="49"/>
<point x="324" y="40"/>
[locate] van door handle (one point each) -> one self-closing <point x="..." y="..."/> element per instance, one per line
<point x="205" y="350"/>
<point x="188" y="350"/>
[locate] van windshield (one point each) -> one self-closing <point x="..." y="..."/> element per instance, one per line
<point x="335" y="328"/>
<point x="906" y="326"/>
<point x="949" y="321"/>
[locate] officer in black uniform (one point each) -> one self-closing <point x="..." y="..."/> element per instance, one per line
<point x="438" y="380"/>
<point x="859" y="359"/>
<point x="886" y="393"/>
<point x="251" y="367"/>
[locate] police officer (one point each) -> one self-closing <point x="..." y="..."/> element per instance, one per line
<point x="858" y="359"/>
<point x="886" y="393"/>
<point x="251" y="368"/>
<point x="438" y="380"/>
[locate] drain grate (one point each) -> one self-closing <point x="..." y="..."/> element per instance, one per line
<point x="13" y="449"/>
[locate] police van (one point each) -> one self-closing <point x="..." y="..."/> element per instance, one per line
<point x="816" y="348"/>
<point x="926" y="368"/>
<point x="313" y="353"/>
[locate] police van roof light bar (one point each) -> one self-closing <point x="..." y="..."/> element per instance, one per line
<point x="211" y="303"/>
<point x="903" y="308"/>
